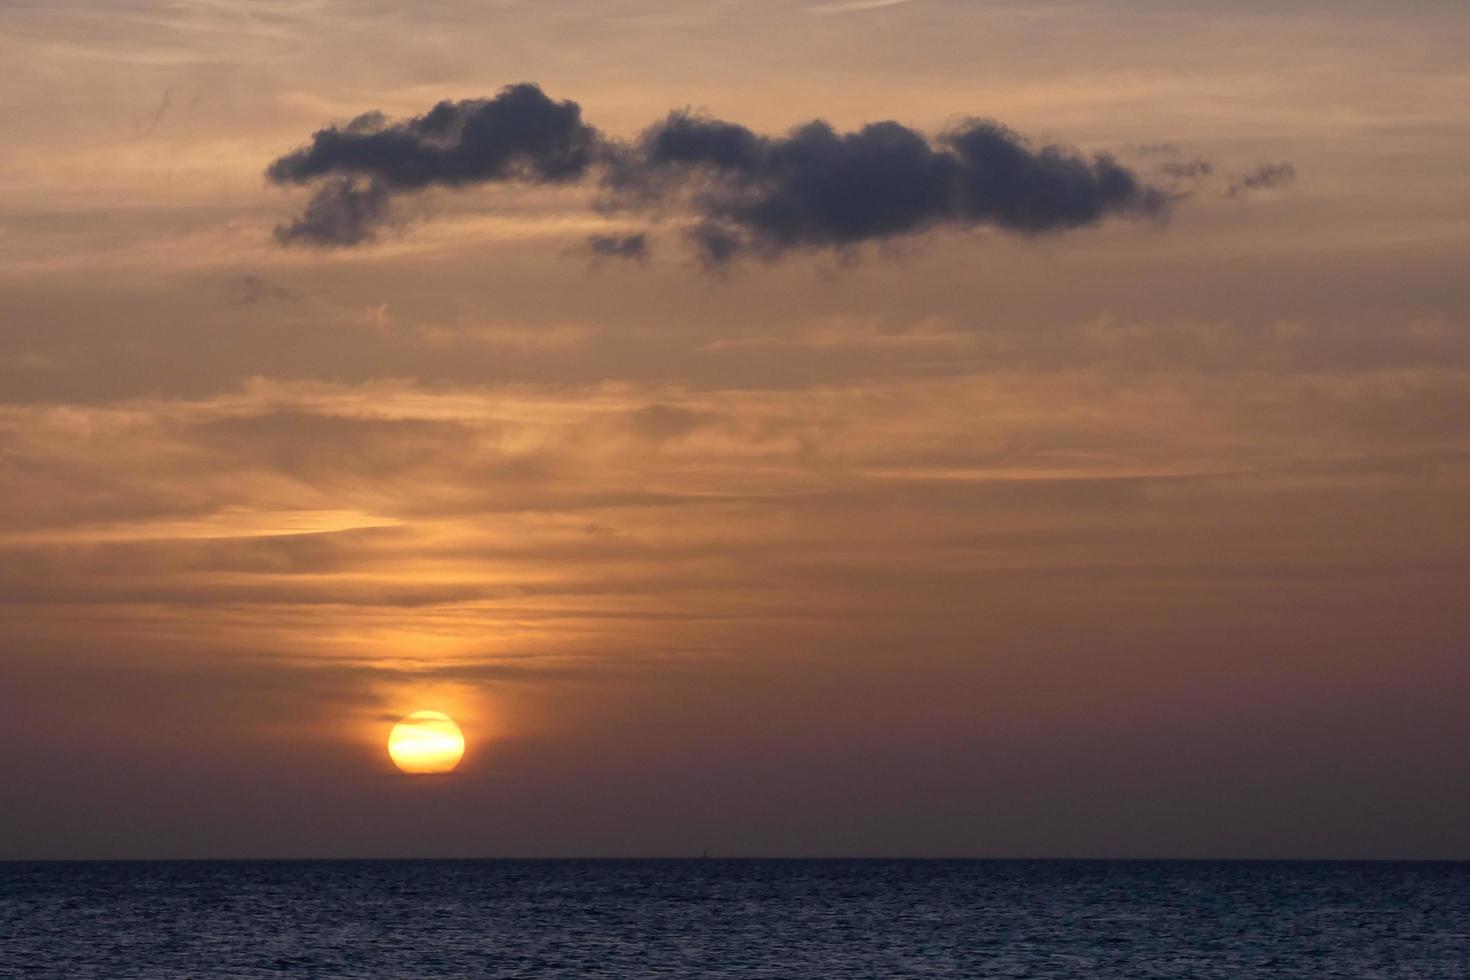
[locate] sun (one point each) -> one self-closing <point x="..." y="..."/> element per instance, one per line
<point x="426" y="742"/>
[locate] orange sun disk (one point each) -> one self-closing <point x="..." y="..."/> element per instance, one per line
<point x="426" y="742"/>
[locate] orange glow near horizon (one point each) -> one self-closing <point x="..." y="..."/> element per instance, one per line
<point x="426" y="742"/>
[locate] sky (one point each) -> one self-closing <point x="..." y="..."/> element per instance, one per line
<point x="1061" y="449"/>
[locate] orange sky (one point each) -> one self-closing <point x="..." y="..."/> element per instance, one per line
<point x="1147" y="538"/>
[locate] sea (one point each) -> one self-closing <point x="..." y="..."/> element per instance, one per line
<point x="737" y="918"/>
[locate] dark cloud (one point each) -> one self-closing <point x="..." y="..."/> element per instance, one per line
<point x="818" y="188"/>
<point x="686" y="138"/>
<point x="633" y="246"/>
<point x="520" y="134"/>
<point x="740" y="192"/>
<point x="1264" y="177"/>
<point x="343" y="211"/>
<point x="713" y="244"/>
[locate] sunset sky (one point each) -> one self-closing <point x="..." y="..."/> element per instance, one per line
<point x="813" y="492"/>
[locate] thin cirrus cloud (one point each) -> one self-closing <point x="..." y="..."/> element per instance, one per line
<point x="856" y="6"/>
<point x="736" y="192"/>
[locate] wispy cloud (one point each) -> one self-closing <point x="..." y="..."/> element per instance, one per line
<point x="856" y="5"/>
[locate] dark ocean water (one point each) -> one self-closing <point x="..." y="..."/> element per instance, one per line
<point x="775" y="919"/>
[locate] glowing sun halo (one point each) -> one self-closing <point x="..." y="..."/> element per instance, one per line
<point x="426" y="741"/>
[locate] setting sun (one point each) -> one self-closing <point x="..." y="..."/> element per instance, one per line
<point x="426" y="742"/>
